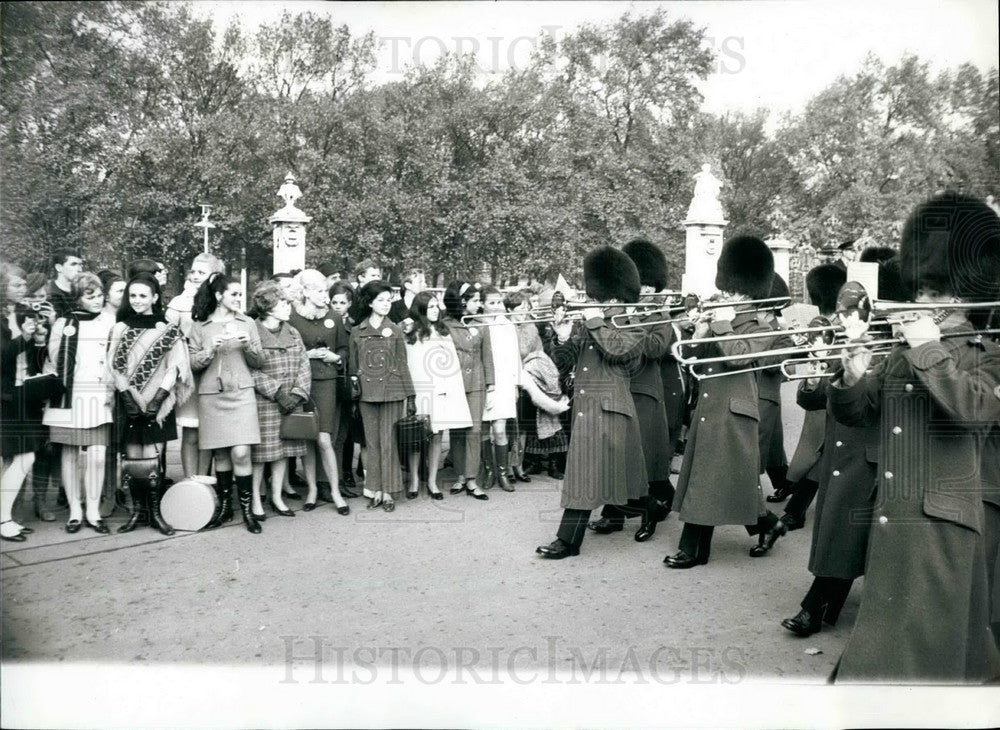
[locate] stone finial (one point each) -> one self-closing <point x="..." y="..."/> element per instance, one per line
<point x="705" y="206"/>
<point x="289" y="191"/>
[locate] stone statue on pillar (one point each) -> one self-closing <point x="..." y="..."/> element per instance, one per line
<point x="705" y="223"/>
<point x="289" y="238"/>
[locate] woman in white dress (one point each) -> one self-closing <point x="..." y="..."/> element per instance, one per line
<point x="507" y="370"/>
<point x="437" y="379"/>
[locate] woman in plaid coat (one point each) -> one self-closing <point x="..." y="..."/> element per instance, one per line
<point x="281" y="385"/>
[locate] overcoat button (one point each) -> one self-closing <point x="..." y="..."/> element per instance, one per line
<point x="836" y="473"/>
<point x="888" y="475"/>
<point x="883" y="520"/>
<point x="897" y="430"/>
<point x="840" y="443"/>
<point x="908" y="387"/>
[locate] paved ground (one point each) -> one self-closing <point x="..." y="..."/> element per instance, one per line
<point x="433" y="584"/>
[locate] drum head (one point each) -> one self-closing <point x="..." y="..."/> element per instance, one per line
<point x="188" y="505"/>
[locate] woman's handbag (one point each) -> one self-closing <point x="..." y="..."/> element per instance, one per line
<point x="300" y="425"/>
<point x="412" y="432"/>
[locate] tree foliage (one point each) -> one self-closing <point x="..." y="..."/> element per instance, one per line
<point x="120" y="119"/>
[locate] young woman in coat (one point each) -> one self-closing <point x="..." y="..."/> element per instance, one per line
<point x="437" y="381"/>
<point x="475" y="353"/>
<point x="924" y="613"/>
<point x="377" y="366"/>
<point x="148" y="364"/>
<point x="80" y="419"/>
<point x="225" y="348"/>
<point x="503" y="406"/>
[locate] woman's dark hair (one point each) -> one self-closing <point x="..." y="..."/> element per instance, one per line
<point x="456" y="295"/>
<point x="204" y="299"/>
<point x="489" y="290"/>
<point x="513" y="300"/>
<point x="558" y="299"/>
<point x="265" y="298"/>
<point x="422" y="327"/>
<point x="109" y="277"/>
<point x="368" y="294"/>
<point x="125" y="308"/>
<point x="341" y="287"/>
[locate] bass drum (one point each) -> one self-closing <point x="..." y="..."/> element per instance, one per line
<point x="189" y="504"/>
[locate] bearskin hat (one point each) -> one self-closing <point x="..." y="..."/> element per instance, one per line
<point x="876" y="254"/>
<point x="610" y="274"/>
<point x="952" y="242"/>
<point x="823" y="282"/>
<point x="745" y="267"/>
<point x="650" y="261"/>
<point x="890" y="283"/>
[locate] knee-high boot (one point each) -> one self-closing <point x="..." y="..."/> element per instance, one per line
<point x="139" y="490"/>
<point x="500" y="462"/>
<point x="224" y="493"/>
<point x="487" y="469"/>
<point x="244" y="491"/>
<point x="155" y="518"/>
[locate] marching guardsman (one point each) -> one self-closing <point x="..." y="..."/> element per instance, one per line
<point x="605" y="462"/>
<point x="822" y="283"/>
<point x="647" y="393"/>
<point x="718" y="481"/>
<point x="924" y="614"/>
<point x="771" y="436"/>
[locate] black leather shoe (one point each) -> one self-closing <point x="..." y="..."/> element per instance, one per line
<point x="412" y="495"/>
<point x="520" y="476"/>
<point x="26" y="530"/>
<point x="457" y="489"/>
<point x="308" y="506"/>
<point x="557" y="550"/>
<point x="349" y="493"/>
<point x="792" y="522"/>
<point x="803" y="623"/>
<point x="645" y="531"/>
<point x="282" y="512"/>
<point x="682" y="561"/>
<point x="259" y="517"/>
<point x="605" y="526"/>
<point x="437" y="495"/>
<point x="780" y="495"/>
<point x="73" y="526"/>
<point x="19" y="537"/>
<point x="291" y="495"/>
<point x="99" y="527"/>
<point x="345" y="510"/>
<point x="766" y="540"/>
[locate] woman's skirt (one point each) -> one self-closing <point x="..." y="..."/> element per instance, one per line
<point x="227" y="419"/>
<point x="324" y="397"/>
<point x="187" y="412"/>
<point x="272" y="447"/>
<point x="96" y="436"/>
<point x="558" y="443"/>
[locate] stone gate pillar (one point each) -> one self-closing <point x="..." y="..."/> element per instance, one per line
<point x="289" y="237"/>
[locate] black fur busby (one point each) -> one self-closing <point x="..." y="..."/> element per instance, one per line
<point x="876" y="254"/>
<point x="823" y="282"/>
<point x="779" y="288"/>
<point x="610" y="274"/>
<point x="952" y="243"/>
<point x="890" y="283"/>
<point x="745" y="267"/>
<point x="650" y="261"/>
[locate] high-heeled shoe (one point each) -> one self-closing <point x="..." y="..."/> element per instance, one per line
<point x="308" y="506"/>
<point x="376" y="501"/>
<point x="291" y="495"/>
<point x="388" y="505"/>
<point x="345" y="510"/>
<point x="472" y="493"/>
<point x="73" y="526"/>
<point x="412" y="495"/>
<point x="458" y="488"/>
<point x="283" y="512"/>
<point x="261" y="517"/>
<point x="519" y="475"/>
<point x="435" y="493"/>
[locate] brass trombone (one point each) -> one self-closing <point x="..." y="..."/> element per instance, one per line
<point x="902" y="312"/>
<point x="878" y="347"/>
<point x="692" y="302"/>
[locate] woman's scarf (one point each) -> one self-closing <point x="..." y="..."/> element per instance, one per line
<point x="66" y="359"/>
<point x="546" y="376"/>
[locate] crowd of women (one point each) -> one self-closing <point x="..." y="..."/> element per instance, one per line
<point x="100" y="373"/>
